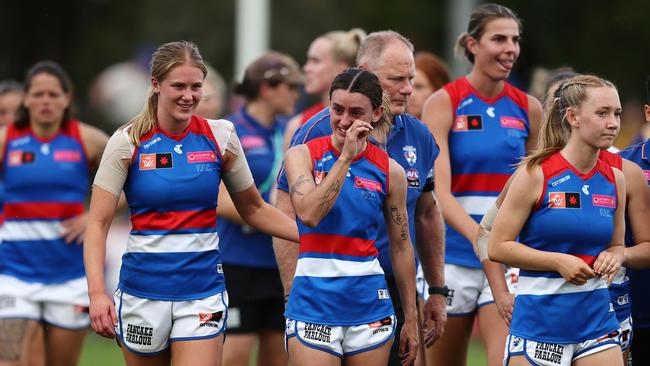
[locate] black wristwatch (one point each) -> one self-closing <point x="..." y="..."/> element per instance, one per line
<point x="444" y="291"/>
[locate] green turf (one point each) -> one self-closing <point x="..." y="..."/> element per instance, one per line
<point x="100" y="351"/>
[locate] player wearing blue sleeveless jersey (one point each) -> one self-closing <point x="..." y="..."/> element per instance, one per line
<point x="171" y="302"/>
<point x="484" y="126"/>
<point x="637" y="257"/>
<point x="47" y="158"/>
<point x="339" y="186"/>
<point x="562" y="310"/>
<point x="390" y="56"/>
<point x="254" y="288"/>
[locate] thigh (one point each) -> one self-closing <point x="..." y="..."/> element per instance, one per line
<point x="518" y="361"/>
<point x="36" y="350"/>
<point x="302" y="355"/>
<point x="134" y="359"/>
<point x="237" y="349"/>
<point x="206" y="352"/>
<point x="15" y="335"/>
<point x="394" y="357"/>
<point x="271" y="349"/>
<point x="375" y="356"/>
<point x="494" y="332"/>
<point x="63" y="346"/>
<point x="451" y="348"/>
<point x="610" y="357"/>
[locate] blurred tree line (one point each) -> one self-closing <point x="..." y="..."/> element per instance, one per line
<point x="609" y="38"/>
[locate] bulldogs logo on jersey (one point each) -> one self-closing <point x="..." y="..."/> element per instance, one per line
<point x="410" y="153"/>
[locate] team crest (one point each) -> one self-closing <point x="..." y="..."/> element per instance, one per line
<point x="410" y="154"/>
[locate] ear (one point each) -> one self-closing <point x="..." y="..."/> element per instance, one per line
<point x="472" y="45"/>
<point x="376" y="115"/>
<point x="646" y="111"/>
<point x="572" y="117"/>
<point x="155" y="85"/>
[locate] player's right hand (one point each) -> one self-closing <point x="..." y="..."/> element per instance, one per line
<point x="103" y="318"/>
<point x="574" y="269"/>
<point x="356" y="134"/>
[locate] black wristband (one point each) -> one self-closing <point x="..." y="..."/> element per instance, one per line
<point x="444" y="291"/>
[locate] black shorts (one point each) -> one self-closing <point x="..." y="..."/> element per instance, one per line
<point x="640" y="342"/>
<point x="256" y="300"/>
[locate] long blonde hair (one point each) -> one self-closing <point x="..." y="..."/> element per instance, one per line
<point x="555" y="129"/>
<point x="166" y="57"/>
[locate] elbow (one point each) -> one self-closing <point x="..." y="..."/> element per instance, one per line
<point x="494" y="253"/>
<point x="309" y="219"/>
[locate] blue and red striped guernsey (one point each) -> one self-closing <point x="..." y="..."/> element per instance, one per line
<point x="547" y="307"/>
<point x="486" y="140"/>
<point x="46" y="182"/>
<point x="339" y="280"/>
<point x="172" y="188"/>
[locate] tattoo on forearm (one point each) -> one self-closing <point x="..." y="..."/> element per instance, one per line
<point x="399" y="219"/>
<point x="295" y="188"/>
<point x="395" y="215"/>
<point x="12" y="336"/>
<point x="329" y="195"/>
<point x="404" y="231"/>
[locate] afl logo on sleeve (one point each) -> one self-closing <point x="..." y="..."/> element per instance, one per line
<point x="564" y="200"/>
<point x="468" y="123"/>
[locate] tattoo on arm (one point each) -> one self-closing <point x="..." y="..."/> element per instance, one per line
<point x="399" y="219"/>
<point x="12" y="338"/>
<point x="295" y="188"/>
<point x="329" y="195"/>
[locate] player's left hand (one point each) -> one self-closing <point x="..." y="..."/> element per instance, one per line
<point x="607" y="265"/>
<point x="435" y="318"/>
<point x="74" y="229"/>
<point x="408" y="341"/>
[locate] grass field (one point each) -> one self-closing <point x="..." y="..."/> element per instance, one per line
<point x="99" y="351"/>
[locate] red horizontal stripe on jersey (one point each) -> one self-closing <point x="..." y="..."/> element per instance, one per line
<point x="175" y="220"/>
<point x="589" y="259"/>
<point x="478" y="182"/>
<point x="43" y="210"/>
<point x="337" y="244"/>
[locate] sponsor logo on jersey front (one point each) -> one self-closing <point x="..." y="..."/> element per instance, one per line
<point x="202" y="157"/>
<point x="367" y="184"/>
<point x="585" y="189"/>
<point x="564" y="200"/>
<point x="67" y="156"/>
<point x="511" y="122"/>
<point x="410" y="153"/>
<point x="413" y="178"/>
<point x="468" y="123"/>
<point x="490" y="112"/>
<point x="560" y="181"/>
<point x="602" y="200"/>
<point x="178" y="149"/>
<point x="156" y="161"/>
<point x="151" y="143"/>
<point x="20" y="157"/>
